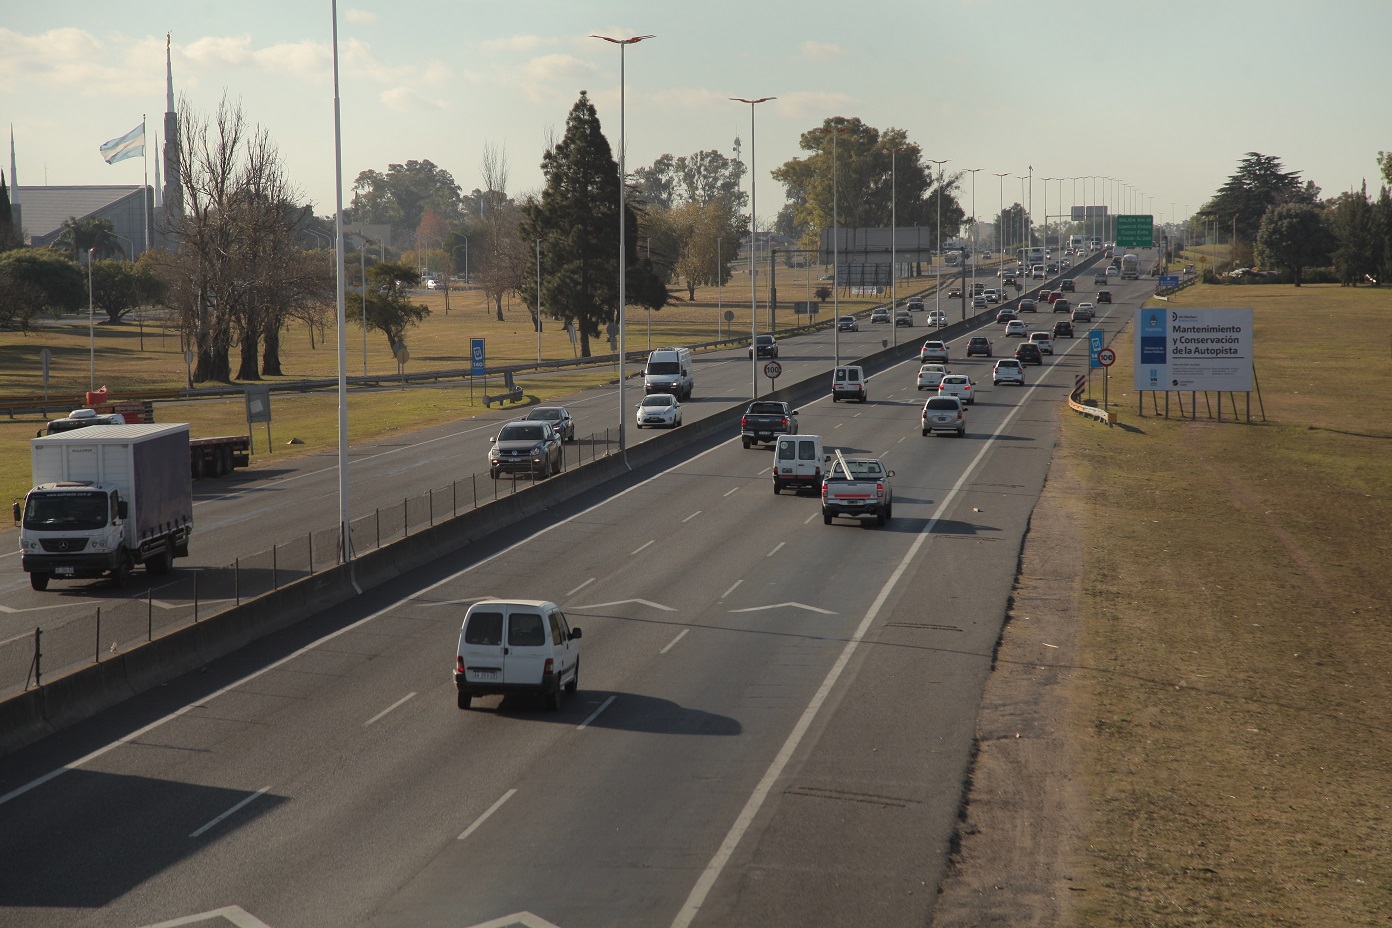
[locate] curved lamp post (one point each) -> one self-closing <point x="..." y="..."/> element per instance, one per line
<point x="753" y="239"/>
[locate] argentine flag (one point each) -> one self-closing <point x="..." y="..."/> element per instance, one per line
<point x="130" y="145"/>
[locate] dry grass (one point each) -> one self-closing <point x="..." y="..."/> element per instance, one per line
<point x="1236" y="699"/>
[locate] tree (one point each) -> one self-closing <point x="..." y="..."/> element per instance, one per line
<point x="1384" y="160"/>
<point x="1010" y="226"/>
<point x="577" y="219"/>
<point x="502" y="259"/>
<point x="38" y="280"/>
<point x="1258" y="184"/>
<point x="869" y="165"/>
<point x="693" y="228"/>
<point x="1352" y="222"/>
<point x="120" y="286"/>
<point x="1293" y="236"/>
<point x="389" y="308"/>
<point x="79" y="235"/>
<point x="705" y="241"/>
<point x="401" y="196"/>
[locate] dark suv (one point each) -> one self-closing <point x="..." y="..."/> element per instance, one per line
<point x="766" y="345"/>
<point x="1028" y="353"/>
<point x="1063" y="329"/>
<point x="1067" y="286"/>
<point x="979" y="344"/>
<point x="1104" y="296"/>
<point x="526" y="446"/>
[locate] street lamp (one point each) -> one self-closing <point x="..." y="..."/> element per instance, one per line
<point x="893" y="244"/>
<point x="1000" y="217"/>
<point x="362" y="262"/>
<point x="753" y="239"/>
<point x="623" y="242"/>
<point x="835" y="243"/>
<point x="1046" y="220"/>
<point x="937" y="265"/>
<point x="91" y="330"/>
<point x="972" y="172"/>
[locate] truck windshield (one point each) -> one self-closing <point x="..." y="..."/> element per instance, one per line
<point x="65" y="511"/>
<point x="664" y="367"/>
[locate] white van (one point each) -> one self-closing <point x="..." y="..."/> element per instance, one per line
<point x="798" y="463"/>
<point x="516" y="646"/>
<point x="669" y="371"/>
<point x="848" y="383"/>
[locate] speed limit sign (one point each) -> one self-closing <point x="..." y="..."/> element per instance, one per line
<point x="773" y="370"/>
<point x="1106" y="357"/>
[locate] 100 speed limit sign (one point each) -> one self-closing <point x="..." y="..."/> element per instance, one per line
<point x="773" y="370"/>
<point x="1106" y="357"/>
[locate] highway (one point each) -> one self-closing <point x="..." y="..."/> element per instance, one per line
<point x="773" y="723"/>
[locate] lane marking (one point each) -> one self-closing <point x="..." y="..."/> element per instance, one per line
<point x="775" y="549"/>
<point x="731" y="589"/>
<point x="781" y="605"/>
<point x="592" y="579"/>
<point x="680" y="635"/>
<point x="692" y="516"/>
<point x="484" y="817"/>
<point x="232" y="811"/>
<point x="624" y="602"/>
<point x="811" y="517"/>
<point x="634" y="551"/>
<point x="595" y="714"/>
<point x="761" y="792"/>
<point x="394" y="705"/>
<point x="735" y="490"/>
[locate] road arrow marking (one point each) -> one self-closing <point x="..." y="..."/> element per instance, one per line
<point x="624" y="602"/>
<point x="231" y="913"/>
<point x="526" y="919"/>
<point x="781" y="605"/>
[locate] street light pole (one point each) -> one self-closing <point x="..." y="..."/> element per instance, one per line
<point x="753" y="240"/>
<point x="893" y="244"/>
<point x="362" y="260"/>
<point x="91" y="330"/>
<point x="937" y="245"/>
<point x="623" y="242"/>
<point x="1000" y="217"/>
<point x="972" y="172"/>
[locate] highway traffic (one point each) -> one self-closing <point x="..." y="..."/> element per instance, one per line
<point x="772" y="726"/>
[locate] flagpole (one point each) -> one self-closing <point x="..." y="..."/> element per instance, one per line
<point x="144" y="200"/>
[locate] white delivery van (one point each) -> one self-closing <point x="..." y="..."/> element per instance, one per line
<point x="516" y="646"/>
<point x="798" y="463"/>
<point x="848" y="383"/>
<point x="669" y="371"/>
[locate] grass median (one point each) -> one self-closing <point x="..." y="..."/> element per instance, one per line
<point x="1234" y="702"/>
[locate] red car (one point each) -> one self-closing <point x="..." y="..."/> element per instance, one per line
<point x="1055" y="296"/>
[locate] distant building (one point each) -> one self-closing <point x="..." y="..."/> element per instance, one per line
<point x="47" y="208"/>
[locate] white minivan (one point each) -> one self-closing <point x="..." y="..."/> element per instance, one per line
<point x="798" y="463"/>
<point x="516" y="646"/>
<point x="669" y="370"/>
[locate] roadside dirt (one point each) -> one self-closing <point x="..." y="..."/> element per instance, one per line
<point x="1025" y="812"/>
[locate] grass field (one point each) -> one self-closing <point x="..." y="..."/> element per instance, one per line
<point x="1235" y="698"/>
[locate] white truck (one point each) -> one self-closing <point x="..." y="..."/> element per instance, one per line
<point x="105" y="498"/>
<point x="1130" y="266"/>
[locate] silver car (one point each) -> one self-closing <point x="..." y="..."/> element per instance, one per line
<point x="559" y="417"/>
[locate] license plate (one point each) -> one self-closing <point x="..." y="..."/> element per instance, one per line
<point x="484" y="674"/>
<point x="63" y="571"/>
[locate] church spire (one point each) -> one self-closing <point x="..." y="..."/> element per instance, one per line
<point x="173" y="199"/>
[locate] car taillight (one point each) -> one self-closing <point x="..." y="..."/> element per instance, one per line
<point x="459" y="668"/>
<point x="785" y="422"/>
<point x="549" y="667"/>
<point x="744" y="421"/>
<point x="824" y="491"/>
<point x="879" y="490"/>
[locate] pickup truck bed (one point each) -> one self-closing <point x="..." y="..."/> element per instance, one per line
<point x="866" y="491"/>
<point x="765" y="420"/>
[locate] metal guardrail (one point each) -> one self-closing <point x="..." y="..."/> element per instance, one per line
<point x="1095" y="412"/>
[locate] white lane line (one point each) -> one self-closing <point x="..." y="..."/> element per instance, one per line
<point x="232" y="811"/>
<point x="735" y="490"/>
<point x="395" y="705"/>
<point x="592" y="579"/>
<point x="839" y="424"/>
<point x="731" y="589"/>
<point x="595" y="714"/>
<point x="692" y="516"/>
<point x="810" y="518"/>
<point x="745" y="819"/>
<point x="680" y="635"/>
<point x="484" y="817"/>
<point x="636" y="550"/>
<point x="775" y="549"/>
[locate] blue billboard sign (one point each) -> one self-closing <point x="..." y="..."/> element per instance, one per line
<point x="1094" y="346"/>
<point x="476" y="357"/>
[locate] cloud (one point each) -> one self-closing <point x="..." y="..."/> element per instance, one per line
<point x="822" y="50"/>
<point x="814" y="104"/>
<point x="517" y="43"/>
<point x="362" y="17"/>
<point x="211" y="51"/>
<point x="540" y="77"/>
<point x="304" y="58"/>
<point x="408" y="100"/>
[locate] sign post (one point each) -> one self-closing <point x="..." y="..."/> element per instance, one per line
<point x="1106" y="357"/>
<point x="772" y="370"/>
<point x="45" y="358"/>
<point x="476" y="366"/>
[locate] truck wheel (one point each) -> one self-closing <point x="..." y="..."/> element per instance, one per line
<point x="196" y="464"/>
<point x="121" y="575"/>
<point x="553" y="699"/>
<point x="925" y="433"/>
<point x="39" y="581"/>
<point x="826" y="517"/>
<point x="465" y="697"/>
<point x="161" y="563"/>
<point x="777" y="488"/>
<point x="880" y="518"/>
<point x="746" y="443"/>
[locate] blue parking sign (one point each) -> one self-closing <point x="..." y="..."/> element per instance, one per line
<point x="476" y="357"/>
<point x="1094" y="346"/>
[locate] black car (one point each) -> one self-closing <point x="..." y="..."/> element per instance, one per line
<point x="1066" y="285"/>
<point x="1063" y="329"/>
<point x="766" y="345"/>
<point x="1104" y="296"/>
<point x="1027" y="353"/>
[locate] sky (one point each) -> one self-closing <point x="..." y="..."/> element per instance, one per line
<point x="1164" y="98"/>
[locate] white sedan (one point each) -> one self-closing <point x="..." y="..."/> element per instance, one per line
<point x="659" y="410"/>
<point x="960" y="386"/>
<point x="930" y="375"/>
<point x="1017" y="329"/>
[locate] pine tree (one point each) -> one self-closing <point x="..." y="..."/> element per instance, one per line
<point x="577" y="221"/>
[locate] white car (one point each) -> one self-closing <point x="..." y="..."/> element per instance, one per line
<point x="1017" y="329"/>
<point x="1008" y="370"/>
<point x="930" y="375"/>
<point x="1086" y="307"/>
<point x="1043" y="341"/>
<point x="880" y="315"/>
<point x="659" y="410"/>
<point x="937" y="317"/>
<point x="992" y="295"/>
<point x="516" y="646"/>
<point x="960" y="386"/>
<point x="933" y="351"/>
<point x="944" y="414"/>
<point x="1112" y="272"/>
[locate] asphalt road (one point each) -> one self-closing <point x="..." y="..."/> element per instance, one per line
<point x="773" y="724"/>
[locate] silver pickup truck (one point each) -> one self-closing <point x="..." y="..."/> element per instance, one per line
<point x="856" y="488"/>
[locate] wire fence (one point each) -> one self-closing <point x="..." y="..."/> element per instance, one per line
<point x="191" y="595"/>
